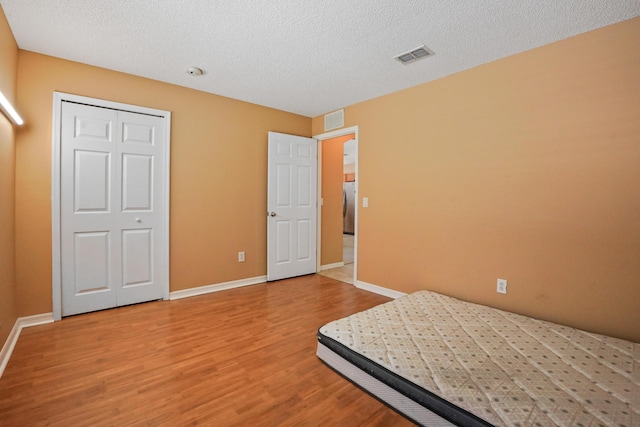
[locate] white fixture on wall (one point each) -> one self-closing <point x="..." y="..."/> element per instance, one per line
<point x="501" y="287"/>
<point x="334" y="120"/>
<point x="9" y="111"/>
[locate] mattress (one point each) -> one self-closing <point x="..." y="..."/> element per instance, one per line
<point x="441" y="360"/>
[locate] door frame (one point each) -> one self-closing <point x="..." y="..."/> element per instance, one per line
<point x="58" y="99"/>
<point x="321" y="137"/>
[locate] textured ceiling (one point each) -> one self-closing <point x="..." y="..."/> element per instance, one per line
<point x="308" y="57"/>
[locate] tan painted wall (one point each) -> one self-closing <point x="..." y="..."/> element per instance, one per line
<point x="218" y="174"/>
<point x="332" y="179"/>
<point x="8" y="67"/>
<point x="527" y="168"/>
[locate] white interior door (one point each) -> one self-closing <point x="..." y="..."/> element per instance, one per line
<point x="292" y="211"/>
<point x="111" y="214"/>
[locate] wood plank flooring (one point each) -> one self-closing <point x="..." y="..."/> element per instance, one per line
<point x="242" y="357"/>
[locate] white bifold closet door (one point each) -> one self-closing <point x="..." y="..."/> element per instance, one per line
<point x="111" y="214"/>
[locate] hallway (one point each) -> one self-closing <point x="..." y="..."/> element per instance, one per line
<point x="345" y="273"/>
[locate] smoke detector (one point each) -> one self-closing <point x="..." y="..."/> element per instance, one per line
<point x="195" y="71"/>
<point x="414" y="55"/>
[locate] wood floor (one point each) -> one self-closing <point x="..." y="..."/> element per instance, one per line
<point x="242" y="357"/>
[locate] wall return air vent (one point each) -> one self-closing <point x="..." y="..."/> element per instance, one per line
<point x="334" y="120"/>
<point x="414" y="55"/>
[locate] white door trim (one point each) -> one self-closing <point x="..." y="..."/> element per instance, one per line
<point x="58" y="98"/>
<point x="328" y="135"/>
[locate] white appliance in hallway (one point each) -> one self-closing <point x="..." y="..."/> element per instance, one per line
<point x="348" y="207"/>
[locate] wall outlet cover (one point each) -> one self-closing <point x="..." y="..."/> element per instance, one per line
<point x="502" y="286"/>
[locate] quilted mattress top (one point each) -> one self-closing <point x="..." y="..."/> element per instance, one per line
<point x="505" y="368"/>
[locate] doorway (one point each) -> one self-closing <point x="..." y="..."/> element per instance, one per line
<point x="338" y="204"/>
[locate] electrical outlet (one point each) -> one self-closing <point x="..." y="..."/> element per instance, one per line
<point x="241" y="256"/>
<point x="502" y="286"/>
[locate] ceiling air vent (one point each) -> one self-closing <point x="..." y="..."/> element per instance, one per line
<point x="334" y="120"/>
<point x="415" y="54"/>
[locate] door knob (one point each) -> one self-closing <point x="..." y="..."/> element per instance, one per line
<point x="138" y="220"/>
<point x="272" y="214"/>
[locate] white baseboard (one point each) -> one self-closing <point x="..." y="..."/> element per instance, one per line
<point x="201" y="290"/>
<point x="379" y="290"/>
<point x="12" y="339"/>
<point x="330" y="266"/>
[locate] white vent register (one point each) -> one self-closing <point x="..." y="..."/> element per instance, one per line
<point x="334" y="120"/>
<point x="414" y="55"/>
